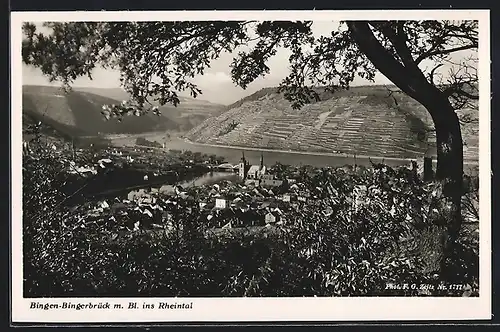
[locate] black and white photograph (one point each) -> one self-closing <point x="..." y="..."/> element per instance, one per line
<point x="167" y="161"/>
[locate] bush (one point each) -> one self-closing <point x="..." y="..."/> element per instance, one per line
<point x="383" y="226"/>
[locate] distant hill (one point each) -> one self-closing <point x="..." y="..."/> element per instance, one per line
<point x="79" y="112"/>
<point x="188" y="114"/>
<point x="365" y="120"/>
<point x="56" y="132"/>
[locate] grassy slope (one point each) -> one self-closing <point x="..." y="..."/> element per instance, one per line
<point x="80" y="112"/>
<point x="363" y="120"/>
<point x="188" y="114"/>
<point x="51" y="130"/>
<point x="57" y="131"/>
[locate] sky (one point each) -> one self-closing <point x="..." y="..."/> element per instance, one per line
<point x="216" y="83"/>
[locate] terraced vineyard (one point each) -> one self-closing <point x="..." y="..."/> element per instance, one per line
<point x="368" y="123"/>
<point x="470" y="130"/>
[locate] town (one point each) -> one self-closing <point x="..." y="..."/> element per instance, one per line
<point x="241" y="196"/>
<point x="259" y="196"/>
<point x="137" y="198"/>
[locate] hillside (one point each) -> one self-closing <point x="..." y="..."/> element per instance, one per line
<point x="188" y="114"/>
<point x="79" y="112"/>
<point x="362" y="120"/>
<point x="52" y="131"/>
<point x="30" y="122"/>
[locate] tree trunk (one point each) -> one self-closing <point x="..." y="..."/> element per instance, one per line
<point x="449" y="145"/>
<point x="449" y="170"/>
<point x="410" y="79"/>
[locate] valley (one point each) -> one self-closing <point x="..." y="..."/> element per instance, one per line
<point x="78" y="113"/>
<point x="363" y="121"/>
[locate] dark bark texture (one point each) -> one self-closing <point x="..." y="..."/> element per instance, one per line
<point x="410" y="79"/>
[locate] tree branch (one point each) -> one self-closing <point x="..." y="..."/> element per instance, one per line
<point x="398" y="41"/>
<point x="444" y="52"/>
<point x="433" y="72"/>
<point x="454" y="90"/>
<point x="380" y="57"/>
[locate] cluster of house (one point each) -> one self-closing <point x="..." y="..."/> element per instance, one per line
<point x="242" y="212"/>
<point x="217" y="206"/>
<point x="228" y="207"/>
<point x="224" y="205"/>
<point x="256" y="202"/>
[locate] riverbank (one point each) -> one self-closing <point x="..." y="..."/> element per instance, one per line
<point x="330" y="154"/>
<point x="233" y="154"/>
<point x="175" y="142"/>
<point x="314" y="153"/>
<point x="167" y="186"/>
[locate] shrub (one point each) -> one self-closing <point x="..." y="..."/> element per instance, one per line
<point x="383" y="226"/>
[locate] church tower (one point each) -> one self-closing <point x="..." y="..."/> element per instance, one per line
<point x="242" y="167"/>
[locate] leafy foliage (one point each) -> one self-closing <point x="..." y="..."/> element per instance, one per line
<point x="158" y="59"/>
<point x="374" y="233"/>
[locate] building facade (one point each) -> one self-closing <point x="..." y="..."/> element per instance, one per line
<point x="256" y="174"/>
<point x="251" y="172"/>
<point x="220" y="203"/>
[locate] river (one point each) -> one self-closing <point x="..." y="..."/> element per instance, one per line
<point x="295" y="158"/>
<point x="233" y="155"/>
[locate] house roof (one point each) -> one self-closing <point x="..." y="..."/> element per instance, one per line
<point x="254" y="169"/>
<point x="278" y="211"/>
<point x="265" y="204"/>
